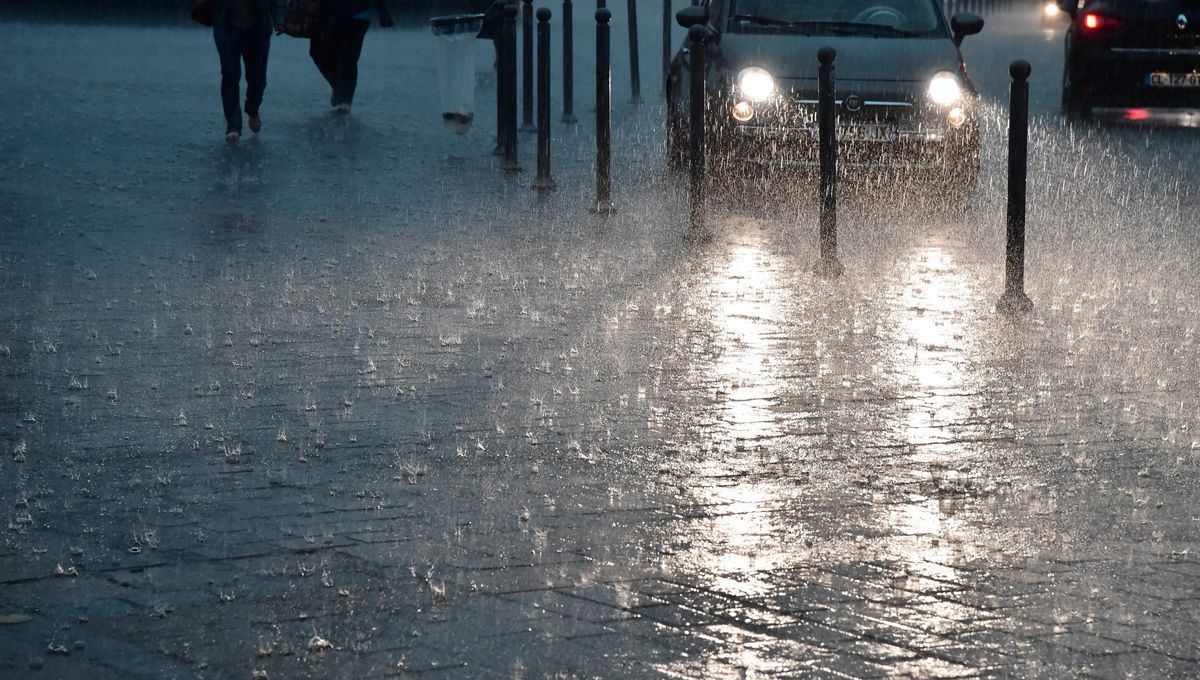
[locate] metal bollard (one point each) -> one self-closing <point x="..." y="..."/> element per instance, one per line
<point x="568" y="45"/>
<point x="543" y="182"/>
<point x="527" y="72"/>
<point x="501" y="125"/>
<point x="1014" y="300"/>
<point x="828" y="265"/>
<point x="509" y="65"/>
<point x="635" y="72"/>
<point x="697" y="37"/>
<point x="604" y="204"/>
<point x="666" y="44"/>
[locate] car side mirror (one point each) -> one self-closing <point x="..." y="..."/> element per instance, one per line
<point x="1071" y="7"/>
<point x="964" y="24"/>
<point x="692" y="16"/>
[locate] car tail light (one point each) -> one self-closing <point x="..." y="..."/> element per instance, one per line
<point x="1096" y="22"/>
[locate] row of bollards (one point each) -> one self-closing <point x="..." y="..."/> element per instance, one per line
<point x="568" y="60"/>
<point x="1013" y="300"/>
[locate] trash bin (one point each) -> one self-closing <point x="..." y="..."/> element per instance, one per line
<point x="456" y="68"/>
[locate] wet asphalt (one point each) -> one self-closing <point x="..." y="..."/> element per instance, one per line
<point x="347" y="400"/>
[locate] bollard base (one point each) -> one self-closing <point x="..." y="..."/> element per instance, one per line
<point x="512" y="165"/>
<point x="569" y="119"/>
<point x="1014" y="302"/>
<point x="544" y="184"/>
<point x="828" y="268"/>
<point x="527" y="128"/>
<point x="604" y="207"/>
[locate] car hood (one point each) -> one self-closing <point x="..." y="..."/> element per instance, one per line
<point x="791" y="56"/>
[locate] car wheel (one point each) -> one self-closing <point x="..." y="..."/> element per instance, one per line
<point x="1075" y="106"/>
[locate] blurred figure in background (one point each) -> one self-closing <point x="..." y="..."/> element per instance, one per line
<point x="242" y="32"/>
<point x="337" y="44"/>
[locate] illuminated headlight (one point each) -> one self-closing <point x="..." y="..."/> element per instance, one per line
<point x="755" y="83"/>
<point x="1051" y="9"/>
<point x="944" y="89"/>
<point x="743" y="112"/>
<point x="957" y="117"/>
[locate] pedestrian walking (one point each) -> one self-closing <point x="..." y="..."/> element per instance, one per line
<point x="337" y="44"/>
<point x="242" y="32"/>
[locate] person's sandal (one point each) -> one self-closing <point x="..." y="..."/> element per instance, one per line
<point x="232" y="136"/>
<point x="255" y="124"/>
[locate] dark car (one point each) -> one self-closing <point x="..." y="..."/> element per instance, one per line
<point x="904" y="101"/>
<point x="1131" y="53"/>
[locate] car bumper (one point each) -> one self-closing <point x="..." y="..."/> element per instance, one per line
<point x="908" y="149"/>
<point x="886" y="129"/>
<point x="1117" y="76"/>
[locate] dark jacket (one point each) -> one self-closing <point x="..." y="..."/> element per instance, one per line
<point x="248" y="13"/>
<point x="493" y="21"/>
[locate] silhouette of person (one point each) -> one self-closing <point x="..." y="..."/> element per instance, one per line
<point x="242" y="32"/>
<point x="337" y="44"/>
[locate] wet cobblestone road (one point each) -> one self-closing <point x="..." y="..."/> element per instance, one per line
<point x="346" y="401"/>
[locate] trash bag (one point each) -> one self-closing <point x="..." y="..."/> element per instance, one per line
<point x="456" y="68"/>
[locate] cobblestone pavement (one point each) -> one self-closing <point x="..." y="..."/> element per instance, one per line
<point x="346" y="401"/>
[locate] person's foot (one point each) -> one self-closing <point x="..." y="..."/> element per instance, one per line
<point x="255" y="124"/>
<point x="343" y="108"/>
<point x="232" y="136"/>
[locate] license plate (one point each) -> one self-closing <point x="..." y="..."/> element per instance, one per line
<point x="889" y="132"/>
<point x="1173" y="79"/>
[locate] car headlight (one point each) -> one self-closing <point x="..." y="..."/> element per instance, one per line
<point x="755" y="83"/>
<point x="944" y="89"/>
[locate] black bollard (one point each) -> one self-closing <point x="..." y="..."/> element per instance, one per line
<point x="666" y="44"/>
<point x="543" y="182"/>
<point x="1014" y="300"/>
<point x="501" y="85"/>
<point x="635" y="72"/>
<point x="697" y="35"/>
<point x="568" y="64"/>
<point x="509" y="65"/>
<point x="828" y="265"/>
<point x="527" y="72"/>
<point x="604" y="204"/>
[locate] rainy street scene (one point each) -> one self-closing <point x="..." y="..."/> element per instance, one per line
<point x="732" y="339"/>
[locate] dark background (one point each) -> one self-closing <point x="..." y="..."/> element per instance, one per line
<point x="177" y="11"/>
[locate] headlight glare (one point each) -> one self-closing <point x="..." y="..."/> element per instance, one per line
<point x="742" y="112"/>
<point x="755" y="83"/>
<point x="944" y="89"/>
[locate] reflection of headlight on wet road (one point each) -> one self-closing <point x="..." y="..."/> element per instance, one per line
<point x="756" y="83"/>
<point x="944" y="89"/>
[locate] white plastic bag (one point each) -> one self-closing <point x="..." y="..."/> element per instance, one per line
<point x="456" y="69"/>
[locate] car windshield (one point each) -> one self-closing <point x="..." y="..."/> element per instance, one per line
<point x="846" y="17"/>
